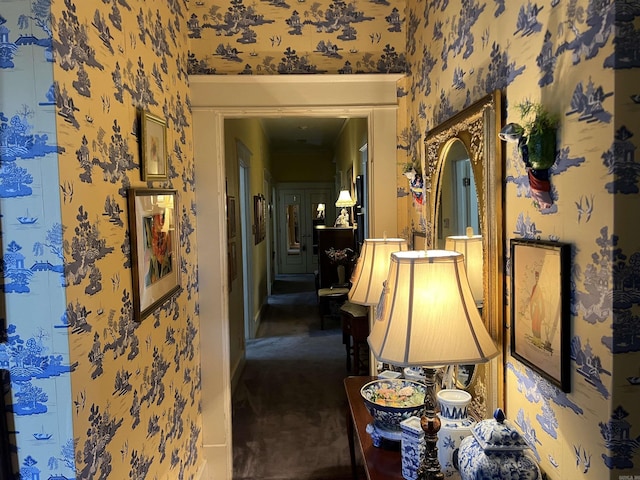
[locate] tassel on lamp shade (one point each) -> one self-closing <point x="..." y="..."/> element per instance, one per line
<point x="372" y="268"/>
<point x="427" y="317"/>
<point x="470" y="246"/>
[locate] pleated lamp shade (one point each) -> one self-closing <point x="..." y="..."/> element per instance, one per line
<point x="344" y="199"/>
<point x="427" y="315"/>
<point x="372" y="269"/>
<point x="471" y="248"/>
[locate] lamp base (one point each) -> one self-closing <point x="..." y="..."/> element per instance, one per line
<point x="430" y="423"/>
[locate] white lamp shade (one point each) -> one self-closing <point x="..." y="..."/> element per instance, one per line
<point x="344" y="199"/>
<point x="427" y="315"/>
<point x="471" y="248"/>
<point x="372" y="269"/>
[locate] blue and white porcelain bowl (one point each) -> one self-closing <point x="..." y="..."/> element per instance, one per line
<point x="390" y="401"/>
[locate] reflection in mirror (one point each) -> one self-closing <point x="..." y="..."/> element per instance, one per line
<point x="458" y="213"/>
<point x="464" y="375"/>
<point x="461" y="154"/>
<point x="470" y="246"/>
<point x="318" y="211"/>
<point x="458" y="205"/>
<point x="293" y="230"/>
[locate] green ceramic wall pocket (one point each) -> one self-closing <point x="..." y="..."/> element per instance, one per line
<point x="536" y="139"/>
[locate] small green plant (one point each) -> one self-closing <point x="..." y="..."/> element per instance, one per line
<point x="539" y="127"/>
<point x="407" y="167"/>
<point x="536" y="119"/>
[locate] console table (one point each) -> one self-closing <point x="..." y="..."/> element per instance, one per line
<point x="379" y="463"/>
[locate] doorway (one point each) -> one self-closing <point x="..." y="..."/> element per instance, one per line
<point x="216" y="97"/>
<point x="302" y="208"/>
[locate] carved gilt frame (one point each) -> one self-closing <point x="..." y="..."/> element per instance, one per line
<point x="477" y="126"/>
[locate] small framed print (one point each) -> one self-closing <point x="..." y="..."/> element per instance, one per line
<point x="153" y="226"/>
<point x="154" y="164"/>
<point x="540" y="308"/>
<point x="231" y="217"/>
<point x="258" y="218"/>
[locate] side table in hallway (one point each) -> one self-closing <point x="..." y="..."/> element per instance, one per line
<point x="355" y="330"/>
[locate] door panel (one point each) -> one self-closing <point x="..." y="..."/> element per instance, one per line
<point x="292" y="246"/>
<point x="298" y="214"/>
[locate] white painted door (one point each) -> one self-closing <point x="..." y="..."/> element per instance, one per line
<point x="297" y="215"/>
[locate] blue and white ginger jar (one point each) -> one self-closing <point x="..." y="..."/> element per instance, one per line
<point x="496" y="450"/>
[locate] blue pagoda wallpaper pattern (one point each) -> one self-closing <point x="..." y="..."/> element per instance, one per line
<point x="92" y="393"/>
<point x="81" y="375"/>
<point x="579" y="59"/>
<point x="277" y="37"/>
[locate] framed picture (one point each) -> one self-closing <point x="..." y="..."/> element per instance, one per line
<point x="540" y="308"/>
<point x="153" y="226"/>
<point x="154" y="147"/>
<point x="231" y="217"/>
<point x="258" y="218"/>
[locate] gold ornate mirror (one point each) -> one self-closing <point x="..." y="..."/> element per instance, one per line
<point x="472" y="133"/>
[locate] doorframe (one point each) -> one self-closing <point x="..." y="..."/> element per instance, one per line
<point x="215" y="98"/>
<point x="244" y="166"/>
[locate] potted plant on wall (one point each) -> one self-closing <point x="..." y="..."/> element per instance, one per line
<point x="536" y="138"/>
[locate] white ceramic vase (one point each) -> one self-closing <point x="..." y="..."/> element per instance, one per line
<point x="455" y="426"/>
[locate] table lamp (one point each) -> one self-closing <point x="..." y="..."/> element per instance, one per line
<point x="427" y="317"/>
<point x="470" y="246"/>
<point x="344" y="201"/>
<point x="372" y="268"/>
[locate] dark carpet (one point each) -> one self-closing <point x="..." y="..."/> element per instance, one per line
<point x="289" y="408"/>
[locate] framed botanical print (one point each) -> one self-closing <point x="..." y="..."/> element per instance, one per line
<point x="154" y="163"/>
<point x="153" y="226"/>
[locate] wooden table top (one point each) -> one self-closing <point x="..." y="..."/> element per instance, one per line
<point x="380" y="463"/>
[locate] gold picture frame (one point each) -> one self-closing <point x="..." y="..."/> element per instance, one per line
<point x="154" y="162"/>
<point x="155" y="263"/>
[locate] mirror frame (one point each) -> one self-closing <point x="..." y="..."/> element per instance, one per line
<point x="477" y="126"/>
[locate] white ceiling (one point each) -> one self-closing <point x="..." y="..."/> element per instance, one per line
<point x="302" y="132"/>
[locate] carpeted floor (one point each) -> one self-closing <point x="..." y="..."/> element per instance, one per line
<point x="289" y="408"/>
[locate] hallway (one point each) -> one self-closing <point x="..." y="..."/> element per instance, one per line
<point x="289" y="406"/>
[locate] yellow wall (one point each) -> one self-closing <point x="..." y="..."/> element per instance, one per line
<point x="250" y="133"/>
<point x="547" y="54"/>
<point x="347" y="152"/>
<point x="455" y="56"/>
<point x="136" y="385"/>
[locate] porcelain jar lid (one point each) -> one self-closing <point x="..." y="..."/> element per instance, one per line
<point x="498" y="435"/>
